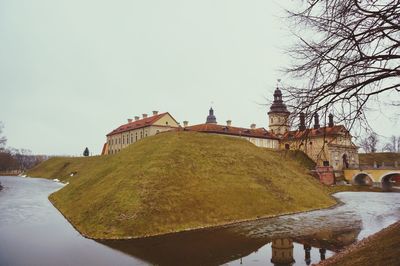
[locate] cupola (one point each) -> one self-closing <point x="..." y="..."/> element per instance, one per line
<point x="211" y="119"/>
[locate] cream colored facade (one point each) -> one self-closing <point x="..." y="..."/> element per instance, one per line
<point x="263" y="143"/>
<point x="117" y="142"/>
<point x="278" y="123"/>
<point x="332" y="149"/>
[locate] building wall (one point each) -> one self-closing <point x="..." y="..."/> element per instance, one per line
<point x="263" y="143"/>
<point x="122" y="140"/>
<point x="336" y="156"/>
<point x="328" y="148"/>
<point x="166" y="120"/>
<point x="278" y="123"/>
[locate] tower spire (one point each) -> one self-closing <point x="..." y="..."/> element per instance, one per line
<point x="278" y="114"/>
<point x="211" y="119"/>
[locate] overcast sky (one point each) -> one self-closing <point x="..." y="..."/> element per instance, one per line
<point x="71" y="71"/>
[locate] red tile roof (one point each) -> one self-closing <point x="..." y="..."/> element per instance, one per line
<point x="311" y="132"/>
<point x="229" y="130"/>
<point x="148" y="121"/>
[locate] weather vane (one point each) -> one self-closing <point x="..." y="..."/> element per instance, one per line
<point x="277" y="83"/>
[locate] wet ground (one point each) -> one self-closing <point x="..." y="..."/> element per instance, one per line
<point x="33" y="232"/>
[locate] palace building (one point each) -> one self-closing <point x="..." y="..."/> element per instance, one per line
<point x="258" y="136"/>
<point x="330" y="145"/>
<point x="138" y="129"/>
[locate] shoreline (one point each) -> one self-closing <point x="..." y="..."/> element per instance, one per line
<point x="350" y="254"/>
<point x="208" y="227"/>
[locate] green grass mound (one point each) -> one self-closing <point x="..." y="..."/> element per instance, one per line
<point x="181" y="180"/>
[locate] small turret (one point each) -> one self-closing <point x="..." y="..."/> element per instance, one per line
<point x="302" y="125"/>
<point x="316" y="121"/>
<point x="211" y="119"/>
<point x="278" y="115"/>
<point x="331" y="124"/>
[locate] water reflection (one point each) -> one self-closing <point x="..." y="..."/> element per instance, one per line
<point x="282" y="251"/>
<point x="220" y="246"/>
<point x="33" y="232"/>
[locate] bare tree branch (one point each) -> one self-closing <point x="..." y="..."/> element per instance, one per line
<point x="352" y="55"/>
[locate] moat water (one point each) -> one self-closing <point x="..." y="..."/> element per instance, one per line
<point x="33" y="232"/>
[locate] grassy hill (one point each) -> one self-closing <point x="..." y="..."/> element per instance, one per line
<point x="379" y="157"/>
<point x="181" y="180"/>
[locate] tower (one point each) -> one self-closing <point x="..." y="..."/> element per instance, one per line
<point x="211" y="119"/>
<point x="282" y="252"/>
<point x="278" y="115"/>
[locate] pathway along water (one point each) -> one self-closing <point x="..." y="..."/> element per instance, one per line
<point x="33" y="232"/>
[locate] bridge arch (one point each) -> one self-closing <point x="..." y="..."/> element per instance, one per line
<point x="362" y="179"/>
<point x="389" y="178"/>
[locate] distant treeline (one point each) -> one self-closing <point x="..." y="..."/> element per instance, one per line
<point x="14" y="159"/>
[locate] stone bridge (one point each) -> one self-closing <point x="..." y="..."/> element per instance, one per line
<point x="383" y="176"/>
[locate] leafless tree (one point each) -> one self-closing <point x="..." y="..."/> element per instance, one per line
<point x="369" y="144"/>
<point x="393" y="145"/>
<point x="349" y="53"/>
<point x="3" y="139"/>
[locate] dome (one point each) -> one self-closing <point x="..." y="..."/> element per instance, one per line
<point x="277" y="105"/>
<point x="211" y="119"/>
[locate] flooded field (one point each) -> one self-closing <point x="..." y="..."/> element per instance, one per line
<point x="33" y="232"/>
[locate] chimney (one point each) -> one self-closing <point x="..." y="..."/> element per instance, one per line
<point x="302" y="125"/>
<point x="228" y="123"/>
<point x="253" y="126"/>
<point x="330" y="124"/>
<point x="316" y="121"/>
<point x="144" y="115"/>
<point x="129" y="120"/>
<point x="185" y="123"/>
<point x="155" y="112"/>
<point x="137" y="118"/>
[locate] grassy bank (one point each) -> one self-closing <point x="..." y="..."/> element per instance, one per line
<point x="178" y="181"/>
<point x="378" y="157"/>
<point x="383" y="248"/>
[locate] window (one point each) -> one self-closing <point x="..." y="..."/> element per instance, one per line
<point x="287" y="146"/>
<point x="166" y="122"/>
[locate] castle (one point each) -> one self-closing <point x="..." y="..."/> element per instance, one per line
<point x="330" y="145"/>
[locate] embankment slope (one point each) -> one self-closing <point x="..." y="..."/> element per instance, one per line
<point x="179" y="180"/>
<point x="379" y="157"/>
<point x="381" y="248"/>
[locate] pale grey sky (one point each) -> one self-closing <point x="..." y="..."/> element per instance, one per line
<point x="71" y="71"/>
